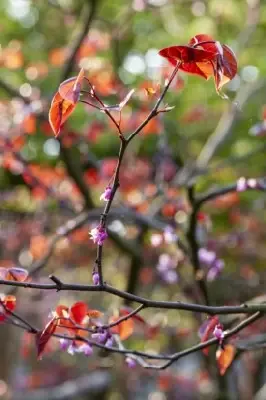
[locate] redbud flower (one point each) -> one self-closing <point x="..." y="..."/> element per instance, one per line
<point x="170" y="276"/>
<point x="131" y="363"/>
<point x="95" y="278"/>
<point x="72" y="349"/>
<point x="86" y="349"/>
<point x="252" y="183"/>
<point x="106" y="195"/>
<point x="109" y="342"/>
<point x="241" y="184"/>
<point x="215" y="269"/>
<point x="98" y="235"/>
<point x="219" y="333"/>
<point x="206" y="256"/>
<point x="100" y="337"/>
<point x="64" y="343"/>
<point x="169" y="235"/>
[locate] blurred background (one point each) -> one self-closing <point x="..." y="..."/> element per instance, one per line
<point x="46" y="182"/>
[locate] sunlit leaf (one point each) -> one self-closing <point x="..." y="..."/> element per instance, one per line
<point x="70" y="89"/>
<point x="59" y="112"/>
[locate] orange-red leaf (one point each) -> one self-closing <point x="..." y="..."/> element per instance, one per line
<point x="43" y="337"/>
<point x="224" y="357"/>
<point x="59" y="112"/>
<point x="78" y="312"/>
<point x="124" y="329"/>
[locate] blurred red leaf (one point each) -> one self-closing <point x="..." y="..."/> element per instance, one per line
<point x="29" y="124"/>
<point x="94" y="313"/>
<point x="57" y="56"/>
<point x="224" y="357"/>
<point x="38" y="246"/>
<point x="43" y="337"/>
<point x="9" y="304"/>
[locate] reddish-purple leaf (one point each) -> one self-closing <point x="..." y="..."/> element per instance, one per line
<point x="43" y="337"/>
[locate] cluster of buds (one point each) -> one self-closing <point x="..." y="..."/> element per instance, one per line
<point x="72" y="348"/>
<point x="103" y="336"/>
<point x="98" y="235"/>
<point x="106" y="195"/>
<point x="212" y="262"/>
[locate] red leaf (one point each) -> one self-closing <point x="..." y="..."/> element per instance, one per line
<point x="224" y="357"/>
<point x="43" y="337"/>
<point x="9" y="304"/>
<point x="212" y="322"/>
<point x="59" y="112"/>
<point x="70" y="89"/>
<point x="204" y="57"/>
<point x="78" y="312"/>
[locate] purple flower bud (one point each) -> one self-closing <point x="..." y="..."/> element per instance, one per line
<point x="215" y="270"/>
<point x="205" y="256"/>
<point x="241" y="184"/>
<point x="98" y="235"/>
<point x="165" y="262"/>
<point x="64" y="343"/>
<point x="72" y="349"/>
<point x="95" y="278"/>
<point x="106" y="195"/>
<point x="218" y="333"/>
<point x="109" y="342"/>
<point x="100" y="337"/>
<point x="156" y="239"/>
<point x="169" y="235"/>
<point x="131" y="363"/>
<point x="86" y="349"/>
<point x="252" y="183"/>
<point x="170" y="276"/>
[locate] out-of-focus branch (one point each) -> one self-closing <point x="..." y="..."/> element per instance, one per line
<point x="226" y="124"/>
<point x="135" y="265"/>
<point x="95" y="383"/>
<point x="192" y="240"/>
<point x="89" y="14"/>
